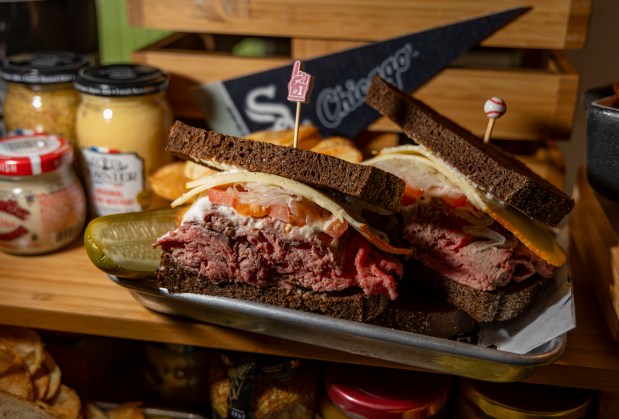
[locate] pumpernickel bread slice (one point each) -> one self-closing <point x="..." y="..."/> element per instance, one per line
<point x="322" y="171"/>
<point x="484" y="164"/>
<point x="350" y="304"/>
<point x="419" y="312"/>
<point x="504" y="303"/>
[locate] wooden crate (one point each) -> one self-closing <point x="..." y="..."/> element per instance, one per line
<point x="550" y="24"/>
<point x="594" y="228"/>
<point x="540" y="87"/>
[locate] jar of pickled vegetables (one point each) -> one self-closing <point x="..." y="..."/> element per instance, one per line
<point x="122" y="126"/>
<point x="40" y="97"/>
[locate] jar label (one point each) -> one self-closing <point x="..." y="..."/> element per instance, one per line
<point x="41" y="217"/>
<point x="115" y="180"/>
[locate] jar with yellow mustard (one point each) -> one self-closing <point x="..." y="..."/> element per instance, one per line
<point x="40" y="97"/>
<point x="122" y="126"/>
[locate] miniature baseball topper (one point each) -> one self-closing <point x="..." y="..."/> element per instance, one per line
<point x="299" y="89"/>
<point x="494" y="108"/>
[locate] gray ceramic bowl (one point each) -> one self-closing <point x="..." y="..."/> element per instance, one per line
<point x="603" y="146"/>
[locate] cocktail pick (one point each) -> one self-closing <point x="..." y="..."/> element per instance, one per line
<point x="299" y="88"/>
<point x="494" y="108"/>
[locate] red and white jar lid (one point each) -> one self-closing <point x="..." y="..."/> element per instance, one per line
<point x="30" y="155"/>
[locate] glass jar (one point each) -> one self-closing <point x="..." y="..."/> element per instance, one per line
<point x="122" y="126"/>
<point x="42" y="203"/>
<point x="40" y="97"/>
<point x="244" y="385"/>
<point x="486" y="400"/>
<point x="354" y="391"/>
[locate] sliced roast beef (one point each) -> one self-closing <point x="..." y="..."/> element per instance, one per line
<point x="267" y="252"/>
<point x="437" y="233"/>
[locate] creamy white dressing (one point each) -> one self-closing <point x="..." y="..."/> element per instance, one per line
<point x="202" y="204"/>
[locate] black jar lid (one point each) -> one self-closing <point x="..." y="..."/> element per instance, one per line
<point x="45" y="67"/>
<point x="121" y="80"/>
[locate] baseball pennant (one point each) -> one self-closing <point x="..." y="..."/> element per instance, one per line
<point x="258" y="101"/>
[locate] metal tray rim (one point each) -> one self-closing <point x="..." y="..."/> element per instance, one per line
<point x="431" y="352"/>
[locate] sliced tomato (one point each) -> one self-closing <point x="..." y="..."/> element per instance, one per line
<point x="280" y="212"/>
<point x="456" y="200"/>
<point x="221" y="197"/>
<point x="411" y="195"/>
<point x="336" y="228"/>
<point x="251" y="210"/>
<point x="306" y="213"/>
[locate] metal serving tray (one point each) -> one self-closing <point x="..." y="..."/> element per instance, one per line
<point x="410" y="349"/>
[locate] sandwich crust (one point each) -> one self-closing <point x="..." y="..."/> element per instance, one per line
<point x="367" y="183"/>
<point x="485" y="165"/>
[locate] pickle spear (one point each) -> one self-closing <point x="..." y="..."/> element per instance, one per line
<point x="122" y="244"/>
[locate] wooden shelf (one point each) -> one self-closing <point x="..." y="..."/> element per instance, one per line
<point x="64" y="292"/>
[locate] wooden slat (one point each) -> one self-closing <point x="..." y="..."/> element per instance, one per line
<point x="550" y="24"/>
<point x="540" y="101"/>
<point x="595" y="228"/>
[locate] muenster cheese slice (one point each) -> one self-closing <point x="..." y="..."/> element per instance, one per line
<point x="536" y="236"/>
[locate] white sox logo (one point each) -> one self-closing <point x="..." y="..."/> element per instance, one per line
<point x="333" y="103"/>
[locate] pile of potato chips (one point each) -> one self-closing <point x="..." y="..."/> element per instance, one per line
<point x="169" y="181"/>
<point x="29" y="373"/>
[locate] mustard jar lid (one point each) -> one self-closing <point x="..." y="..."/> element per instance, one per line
<point x="46" y="67"/>
<point x="526" y="400"/>
<point x="121" y="80"/>
<point x="29" y="155"/>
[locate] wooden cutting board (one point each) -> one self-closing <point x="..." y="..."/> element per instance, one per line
<point x="594" y="226"/>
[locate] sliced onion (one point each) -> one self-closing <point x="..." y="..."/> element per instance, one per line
<point x="492" y="237"/>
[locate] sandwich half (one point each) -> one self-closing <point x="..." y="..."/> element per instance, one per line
<point x="282" y="226"/>
<point x="479" y="220"/>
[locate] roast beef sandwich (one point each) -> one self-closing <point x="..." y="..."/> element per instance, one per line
<point x="478" y="219"/>
<point x="282" y="226"/>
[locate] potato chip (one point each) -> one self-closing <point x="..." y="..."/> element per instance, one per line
<point x="8" y="358"/>
<point x="308" y="137"/>
<point x="126" y="411"/>
<point x="16" y="380"/>
<point x="66" y="404"/>
<point x="195" y="171"/>
<point x="168" y="182"/>
<point x="92" y="411"/>
<point x="341" y="147"/>
<point x="55" y="376"/>
<point x="26" y="342"/>
<point x="40" y="381"/>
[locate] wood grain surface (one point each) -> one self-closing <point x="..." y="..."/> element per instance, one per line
<point x="549" y="24"/>
<point x="63" y="291"/>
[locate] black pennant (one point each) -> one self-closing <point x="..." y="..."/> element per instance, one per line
<point x="258" y="101"/>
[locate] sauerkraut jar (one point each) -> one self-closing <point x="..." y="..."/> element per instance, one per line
<point x="122" y="128"/>
<point x="40" y="97"/>
<point x="42" y="203"/>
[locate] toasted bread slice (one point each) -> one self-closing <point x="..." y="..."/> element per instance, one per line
<point x="504" y="303"/>
<point x="351" y="304"/>
<point x="322" y="171"/>
<point x="485" y="165"/>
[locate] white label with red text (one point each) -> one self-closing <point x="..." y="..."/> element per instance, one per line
<point x="114" y="180"/>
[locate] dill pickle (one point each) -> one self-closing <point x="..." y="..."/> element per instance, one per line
<point x="122" y="244"/>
